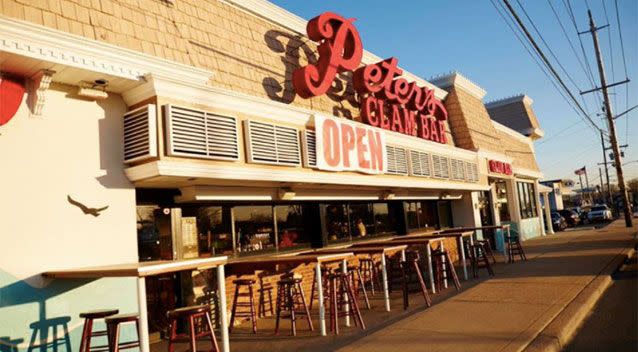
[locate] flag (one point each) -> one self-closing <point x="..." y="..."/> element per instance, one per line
<point x="580" y="171"/>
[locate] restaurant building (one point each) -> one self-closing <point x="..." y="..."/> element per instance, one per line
<point x="156" y="129"/>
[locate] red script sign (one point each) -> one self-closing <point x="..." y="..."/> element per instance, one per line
<point x="500" y="167"/>
<point x="387" y="100"/>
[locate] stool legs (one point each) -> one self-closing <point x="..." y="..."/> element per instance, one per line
<point x="250" y="304"/>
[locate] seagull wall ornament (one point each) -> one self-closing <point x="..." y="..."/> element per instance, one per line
<point x="86" y="210"/>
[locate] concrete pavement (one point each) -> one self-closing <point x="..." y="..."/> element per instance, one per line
<point x="534" y="305"/>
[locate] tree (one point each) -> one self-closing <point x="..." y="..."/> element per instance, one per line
<point x="633" y="185"/>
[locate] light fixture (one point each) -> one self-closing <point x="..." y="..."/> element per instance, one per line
<point x="93" y="90"/>
<point x="285" y="194"/>
<point x="387" y="195"/>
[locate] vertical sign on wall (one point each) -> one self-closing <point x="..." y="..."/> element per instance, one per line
<point x="348" y="146"/>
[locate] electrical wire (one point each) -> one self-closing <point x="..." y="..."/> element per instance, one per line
<point x="611" y="57"/>
<point x="529" y="51"/>
<point x="549" y="65"/>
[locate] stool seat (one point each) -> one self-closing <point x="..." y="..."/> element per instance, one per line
<point x="186" y="311"/>
<point x="289" y="281"/>
<point x="98" y="313"/>
<point x="122" y="318"/>
<point x="243" y="281"/>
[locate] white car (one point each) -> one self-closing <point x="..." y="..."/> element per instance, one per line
<point x="598" y="213"/>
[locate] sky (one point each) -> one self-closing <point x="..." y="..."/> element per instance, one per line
<point x="469" y="36"/>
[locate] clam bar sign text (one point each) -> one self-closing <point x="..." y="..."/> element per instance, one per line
<point x="386" y="99"/>
<point x="343" y="145"/>
<point x="500" y="167"/>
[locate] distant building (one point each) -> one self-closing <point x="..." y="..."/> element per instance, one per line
<point x="559" y="187"/>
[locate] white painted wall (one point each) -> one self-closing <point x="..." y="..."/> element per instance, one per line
<point x="74" y="149"/>
<point x="465" y="210"/>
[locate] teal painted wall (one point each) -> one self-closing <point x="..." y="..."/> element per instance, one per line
<point x="29" y="316"/>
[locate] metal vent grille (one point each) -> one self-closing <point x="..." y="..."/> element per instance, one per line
<point x="200" y="134"/>
<point x="397" y="160"/>
<point x="420" y="164"/>
<point x="271" y="144"/>
<point x="441" y="166"/>
<point x="309" y="139"/>
<point x="472" y="172"/>
<point x="458" y="169"/>
<point x="140" y="134"/>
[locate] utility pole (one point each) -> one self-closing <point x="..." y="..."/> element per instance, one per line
<point x="609" y="195"/>
<point x="602" y="184"/>
<point x="610" y="123"/>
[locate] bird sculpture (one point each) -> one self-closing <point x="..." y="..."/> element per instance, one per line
<point x="86" y="210"/>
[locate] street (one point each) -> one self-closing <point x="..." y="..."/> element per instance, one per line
<point x="613" y="324"/>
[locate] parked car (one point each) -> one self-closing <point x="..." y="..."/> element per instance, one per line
<point x="571" y="216"/>
<point x="599" y="213"/>
<point x="558" y="222"/>
<point x="582" y="213"/>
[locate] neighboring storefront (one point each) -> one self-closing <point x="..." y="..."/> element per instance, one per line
<point x="173" y="129"/>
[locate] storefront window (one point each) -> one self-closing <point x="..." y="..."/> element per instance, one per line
<point x="337" y="222"/>
<point x="214" y="230"/>
<point x="154" y="233"/>
<point x="423" y="214"/>
<point x="501" y="201"/>
<point x="254" y="228"/>
<point x="527" y="200"/>
<point x="361" y="220"/>
<point x="290" y="226"/>
<point x="445" y="214"/>
<point x="351" y="221"/>
<point x="383" y="223"/>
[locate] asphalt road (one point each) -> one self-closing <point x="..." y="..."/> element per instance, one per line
<point x="613" y="325"/>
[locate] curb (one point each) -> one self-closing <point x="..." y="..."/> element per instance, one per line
<point x="560" y="331"/>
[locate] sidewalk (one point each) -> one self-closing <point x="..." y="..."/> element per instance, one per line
<point x="519" y="308"/>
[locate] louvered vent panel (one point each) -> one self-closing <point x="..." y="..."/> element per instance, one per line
<point x="272" y="144"/>
<point x="200" y="134"/>
<point x="140" y="134"/>
<point x="397" y="160"/>
<point x="288" y="149"/>
<point x="458" y="169"/>
<point x="441" y="166"/>
<point x="310" y="148"/>
<point x="472" y="172"/>
<point x="420" y="163"/>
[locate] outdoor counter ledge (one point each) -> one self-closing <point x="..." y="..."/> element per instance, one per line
<point x="304" y="257"/>
<point x="380" y="248"/>
<point x="141" y="271"/>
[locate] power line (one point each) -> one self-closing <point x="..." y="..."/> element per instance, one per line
<point x="571" y="45"/>
<point x="548" y="64"/>
<point x="570" y="11"/>
<point x="611" y="57"/>
<point x="551" y="52"/>
<point x="531" y="54"/>
<point x="622" y="48"/>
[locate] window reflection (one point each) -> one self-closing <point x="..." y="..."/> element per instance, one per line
<point x="290" y="226"/>
<point x="254" y="228"/>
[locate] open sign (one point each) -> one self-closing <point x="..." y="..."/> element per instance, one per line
<point x="343" y="145"/>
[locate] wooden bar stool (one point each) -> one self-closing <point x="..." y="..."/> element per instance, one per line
<point x="443" y="268"/>
<point x="342" y="296"/>
<point x="487" y="245"/>
<point x="290" y="302"/>
<point x="415" y="276"/>
<point x="192" y="315"/>
<point x="249" y="304"/>
<point x="356" y="281"/>
<point x="477" y="255"/>
<point x="514" y="247"/>
<point x="113" y="323"/>
<point x="265" y="300"/>
<point x="370" y="274"/>
<point x="325" y="272"/>
<point x="87" y="330"/>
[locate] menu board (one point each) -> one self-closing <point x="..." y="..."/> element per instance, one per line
<point x="190" y="248"/>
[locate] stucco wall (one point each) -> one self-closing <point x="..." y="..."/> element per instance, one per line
<point x="74" y="149"/>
